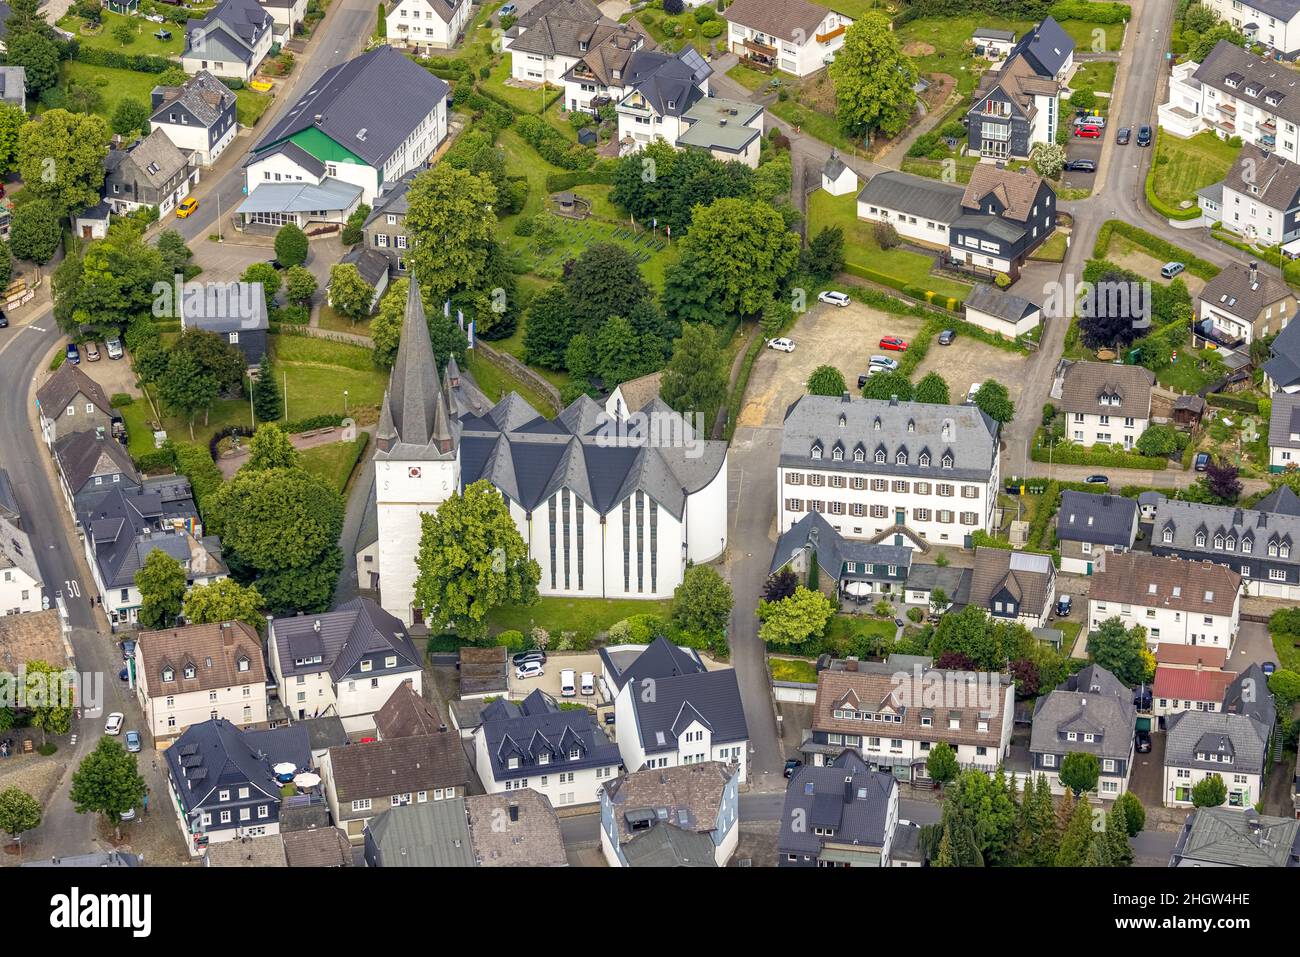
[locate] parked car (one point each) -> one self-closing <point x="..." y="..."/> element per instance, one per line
<point x="114" y="348"/>
<point x="73" y="354"/>
<point x="1268" y="667"/>
<point x="1122" y="137"/>
<point x="124" y="674"/>
<point x="1144" y="742"/>
<point x="1081" y="166"/>
<point x="781" y="345"/>
<point x="884" y="362"/>
<point x="1144" y="136"/>
<point x="524" y="657"/>
<point x="863" y="377"/>
<point x="128" y="650"/>
<point x="792" y="765"/>
<point x="1142" y="698"/>
<point x="893" y="343"/>
<point x="530" y="670"/>
<point x="114" y="723"/>
<point x="1171" y="269"/>
<point x="128" y="815"/>
<point x="186" y="207"/>
<point x="588" y="683"/>
<point x="1202" y="461"/>
<point x="833" y="297"/>
<point x="1064" y="604"/>
<point x="4" y="320"/>
<point x="507" y="10"/>
<point x="1088" y="132"/>
<point x="974" y="391"/>
<point x="1097" y="480"/>
<point x="92" y="352"/>
<point x="133" y="741"/>
<point x="568" y="683"/>
<point x="946" y="337"/>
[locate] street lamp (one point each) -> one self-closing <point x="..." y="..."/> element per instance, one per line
<point x="345" y="401"/>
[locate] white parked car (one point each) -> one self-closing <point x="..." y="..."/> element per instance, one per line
<point x="588" y="683"/>
<point x="833" y="297"/>
<point x="528" y="670"/>
<point x="114" y="723"/>
<point x="781" y="345"/>
<point x="568" y="683"/>
<point x="884" y="362"/>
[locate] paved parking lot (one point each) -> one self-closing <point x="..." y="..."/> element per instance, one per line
<point x="1078" y="148"/>
<point x="550" y="681"/>
<point x="968" y="361"/>
<point x="113" y="375"/>
<point x="226" y="261"/>
<point x="844" y="337"/>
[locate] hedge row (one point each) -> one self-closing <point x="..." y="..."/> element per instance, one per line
<point x="195" y="463"/>
<point x="140" y="62"/>
<point x="1067" y="453"/>
<point x="951" y="303"/>
<point x="558" y="182"/>
<point x="315" y="422"/>
<point x="552" y="145"/>
<point x="1163" y="208"/>
<point x="1160" y="248"/>
<point x="1240" y="402"/>
<point x="1091" y="12"/>
<point x="742" y="382"/>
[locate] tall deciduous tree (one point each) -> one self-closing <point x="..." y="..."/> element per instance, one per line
<point x="471" y="560"/>
<point x="702" y="603"/>
<point x="873" y="79"/>
<point x="695" y="380"/>
<point x="1210" y="791"/>
<point x="888" y="385"/>
<point x="1080" y="771"/>
<point x="35" y="232"/>
<point x="291" y="245"/>
<point x="451" y="223"/>
<point x="350" y="294"/>
<point x="386" y="327"/>
<point x="826" y="380"/>
<point x="12" y="118"/>
<point x="995" y="402"/>
<point x="161" y="580"/>
<point x="792" y="621"/>
<point x="270" y="448"/>
<point x="932" y="390"/>
<point x="1120" y="650"/>
<point x="941" y="763"/>
<point x="549" y="328"/>
<point x="107" y="782"/>
<point x="61" y="157"/>
<point x="299" y="285"/>
<point x="224" y="600"/>
<point x="19" y="811"/>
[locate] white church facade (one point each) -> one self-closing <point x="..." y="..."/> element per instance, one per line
<point x="608" y="508"/>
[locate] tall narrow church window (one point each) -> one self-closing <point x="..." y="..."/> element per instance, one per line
<point x="654" y="545"/>
<point x="640" y="541"/>
<point x="551" y="512"/>
<point x="578" y="512"/>
<point x="564" y="502"/>
<point x="627" y="546"/>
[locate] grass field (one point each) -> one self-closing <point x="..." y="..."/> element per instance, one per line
<point x="143" y="42"/>
<point x="1181" y="167"/>
<point x="329" y="319"/>
<point x="523" y="101"/>
<point x="860" y="246"/>
<point x="497" y="383"/>
<point x="1053" y="250"/>
<point x="844" y="626"/>
<point x="1096" y="75"/>
<point x="333" y="463"/>
<point x="115" y="85"/>
<point x="815" y="123"/>
<point x="749" y="78"/>
<point x="786" y="669"/>
<point x="584" y="615"/>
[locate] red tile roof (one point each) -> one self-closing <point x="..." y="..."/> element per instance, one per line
<point x="1170" y="653"/>
<point x="1185" y="684"/>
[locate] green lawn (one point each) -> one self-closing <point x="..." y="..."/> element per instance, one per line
<point x="333" y="463"/>
<point x="1070" y="634"/>
<point x="1084" y="33"/>
<point x="820" y="125"/>
<point x="1053" y="250"/>
<point x="1096" y="75"/>
<point x="143" y="42"/>
<point x="1288" y="654"/>
<point x="749" y="78"/>
<point x="860" y="246"/>
<point x="1186" y="375"/>
<point x="329" y="319"/>
<point x="843" y="626"/>
<point x="1182" y="166"/>
<point x="584" y="615"/>
<point x="924" y="166"/>
<point x="115" y="85"/>
<point x="786" y="669"/>
<point x="497" y="383"/>
<point x="522" y="100"/>
<point x="948" y="36"/>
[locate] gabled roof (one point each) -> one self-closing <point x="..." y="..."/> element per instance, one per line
<point x="1249" y="695"/>
<point x="1188" y="684"/>
<point x="1092" y="702"/>
<point x="342" y="638"/>
<point x="795" y="21"/>
<point x="380" y="769"/>
<point x="914" y="195"/>
<point x="16" y="550"/>
<point x="833" y="549"/>
<point x="1100" y="519"/>
<point x="236" y="25"/>
<point x="670" y="82"/>
<point x="1151" y="581"/>
<point x="433" y="834"/>
<point x="515" y="829"/>
<point x="660" y="659"/>
<point x="1086" y="382"/>
<point x="356" y="106"/>
<point x="844" y="796"/>
<point x="156" y="159"/>
<point x="1015" y="191"/>
<point x="1245" y="290"/>
<point x="1214" y="733"/>
<point x="1231" y="837"/>
<point x="1283" y="364"/>
<point x="1028" y="577"/>
<point x="1284" y="423"/>
<point x="537" y="734"/>
<point x="318" y="847"/>
<point x="711" y="697"/>
<point x="224" y="307"/>
<point x="1207" y="656"/>
<point x="203" y="95"/>
<point x="405" y="714"/>
<point x="1186" y="520"/>
<point x="83" y="455"/>
<point x="223" y="655"/>
<point x="1047" y="47"/>
<point x="69" y="381"/>
<point x="689" y="795"/>
<point x="214" y="755"/>
<point x="1275" y="183"/>
<point x="1006" y="306"/>
<point x="1272" y="79"/>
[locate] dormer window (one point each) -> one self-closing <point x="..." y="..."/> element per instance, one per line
<point x="947" y="461"/>
<point x="900" y="458"/>
<point x="859" y="455"/>
<point x="243" y="663"/>
<point x="1272" y="549"/>
<point x="1247" y="545"/>
<point x="190" y="671"/>
<point x="837" y="455"/>
<point x="911" y="425"/>
<point x="1231" y="543"/>
<point x="843" y="421"/>
<point x="816" y="451"/>
<point x="1218" y="541"/>
<point x="168" y="674"/>
<point x="512" y="763"/>
<point x="1200" y="539"/>
<point x="574" y="754"/>
<point x="880" y="456"/>
<point x="1285" y="551"/>
<point x="1168" y="536"/>
<point x="544" y="758"/>
<point x="924" y="460"/>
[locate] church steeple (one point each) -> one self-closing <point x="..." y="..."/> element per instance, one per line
<point x="415" y="409"/>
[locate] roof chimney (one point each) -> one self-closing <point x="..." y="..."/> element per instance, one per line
<point x="514" y="813"/>
<point x="1254" y="272"/>
<point x="845" y="396"/>
<point x="315" y="626"/>
<point x="893" y="400"/>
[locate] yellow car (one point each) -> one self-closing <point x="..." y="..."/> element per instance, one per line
<point x="186" y="207"/>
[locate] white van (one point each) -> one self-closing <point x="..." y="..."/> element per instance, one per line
<point x="974" y="391"/>
<point x="567" y="686"/>
<point x="588" y="683"/>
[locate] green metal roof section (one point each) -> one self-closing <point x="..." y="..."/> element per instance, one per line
<point x="323" y="148"/>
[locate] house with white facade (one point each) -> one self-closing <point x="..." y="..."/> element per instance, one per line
<point x="792" y="36"/>
<point x="232" y="40"/>
<point x="21" y="586"/>
<point x="838" y="178"/>
<point x="1274" y="23"/>
<point x="333" y="150"/>
<point x="152" y="172"/>
<point x="694" y="715"/>
<point x="992" y="43"/>
<point x="365" y="779"/>
<point x="1013" y="110"/>
<point x="346" y="662"/>
<point x="607" y="509"/>
<point x="1014" y="586"/>
<point x="1284" y="432"/>
<point x="196" y="673"/>
<point x="1199" y="744"/>
<point x="1236" y="93"/>
<point x="1258" y="199"/>
<point x="841" y="814"/>
<point x="1091" y="712"/>
<point x="1004" y="313"/>
<point x="1089" y="527"/>
<point x="422" y="26"/>
<point x="199" y="117"/>
<point x="1244" y="303"/>
<point x="701" y="826"/>
<point x="1282" y="367"/>
<point x="893" y="712"/>
<point x="288" y="16"/>
<point x="1176" y="690"/>
<point x="570" y="43"/>
<point x="1176" y="601"/>
<point x="562" y="754"/>
<point x="1105" y="403"/>
<point x="904" y="473"/>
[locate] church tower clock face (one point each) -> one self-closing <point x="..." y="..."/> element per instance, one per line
<point x="413" y="472"/>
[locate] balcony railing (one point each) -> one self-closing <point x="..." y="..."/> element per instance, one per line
<point x="1227" y="108"/>
<point x="830" y="35"/>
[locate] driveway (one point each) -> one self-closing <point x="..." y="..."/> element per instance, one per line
<point x="1148" y="778"/>
<point x="1253" y="646"/>
<point x="968" y="361"/>
<point x="1079" y="148"/>
<point x="550" y="681"/>
<point x="112" y="375"/>
<point x="844" y="337"/>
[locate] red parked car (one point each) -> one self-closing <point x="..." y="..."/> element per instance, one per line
<point x="893" y="343"/>
<point x="1088" y="132"/>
